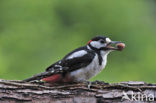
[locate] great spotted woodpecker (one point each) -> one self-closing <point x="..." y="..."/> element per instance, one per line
<point x="82" y="63"/>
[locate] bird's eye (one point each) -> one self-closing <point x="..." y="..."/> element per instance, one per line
<point x="102" y="41"/>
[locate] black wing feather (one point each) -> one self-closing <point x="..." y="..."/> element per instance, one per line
<point x="79" y="62"/>
<point x="66" y="65"/>
<point x="74" y="63"/>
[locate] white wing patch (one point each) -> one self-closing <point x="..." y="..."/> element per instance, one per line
<point x="77" y="54"/>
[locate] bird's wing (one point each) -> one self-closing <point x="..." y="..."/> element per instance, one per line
<point x="71" y="62"/>
<point x="78" y="62"/>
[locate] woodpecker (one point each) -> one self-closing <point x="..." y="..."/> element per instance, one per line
<point x="82" y="63"/>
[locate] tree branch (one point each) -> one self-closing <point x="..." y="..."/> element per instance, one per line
<point x="100" y="92"/>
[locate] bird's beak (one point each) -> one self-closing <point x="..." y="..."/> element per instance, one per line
<point x="115" y="45"/>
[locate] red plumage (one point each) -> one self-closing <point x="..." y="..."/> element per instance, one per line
<point x="53" y="78"/>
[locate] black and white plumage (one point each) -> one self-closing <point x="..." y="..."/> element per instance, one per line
<point x="81" y="64"/>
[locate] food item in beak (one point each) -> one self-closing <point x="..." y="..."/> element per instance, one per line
<point x="120" y="46"/>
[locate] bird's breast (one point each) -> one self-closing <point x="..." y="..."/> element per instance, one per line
<point x="89" y="71"/>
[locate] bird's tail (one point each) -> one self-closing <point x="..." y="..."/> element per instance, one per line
<point x="46" y="74"/>
<point x="38" y="76"/>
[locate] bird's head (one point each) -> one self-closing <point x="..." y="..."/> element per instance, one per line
<point x="105" y="44"/>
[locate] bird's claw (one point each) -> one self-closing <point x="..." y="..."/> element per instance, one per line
<point x="89" y="84"/>
<point x="99" y="82"/>
<point x="37" y="81"/>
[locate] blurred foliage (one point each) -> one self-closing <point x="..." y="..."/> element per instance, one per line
<point x="36" y="33"/>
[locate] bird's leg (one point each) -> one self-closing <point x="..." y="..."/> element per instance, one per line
<point x="37" y="81"/>
<point x="89" y="83"/>
<point x="99" y="82"/>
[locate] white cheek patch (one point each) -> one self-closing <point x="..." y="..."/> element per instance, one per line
<point x="97" y="44"/>
<point x="77" y="54"/>
<point x="108" y="40"/>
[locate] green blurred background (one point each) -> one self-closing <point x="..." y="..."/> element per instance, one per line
<point x="36" y="33"/>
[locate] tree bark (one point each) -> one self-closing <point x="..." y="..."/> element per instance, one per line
<point x="100" y="92"/>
